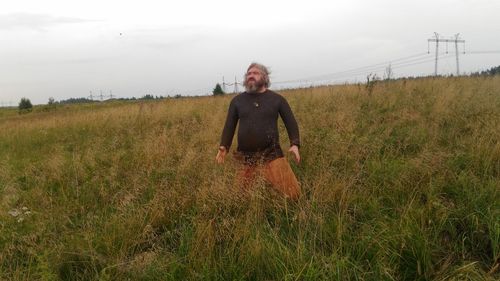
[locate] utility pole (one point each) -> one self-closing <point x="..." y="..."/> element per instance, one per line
<point x="388" y="72"/>
<point x="235" y="85"/>
<point x="456" y="51"/>
<point x="437" y="48"/>
<point x="223" y="85"/>
<point x="91" y="97"/>
<point x="437" y="39"/>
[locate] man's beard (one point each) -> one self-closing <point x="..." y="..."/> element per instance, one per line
<point x="255" y="86"/>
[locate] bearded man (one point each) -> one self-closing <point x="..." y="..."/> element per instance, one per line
<point x="259" y="150"/>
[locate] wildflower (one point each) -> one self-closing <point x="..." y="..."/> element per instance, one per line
<point x="14" y="212"/>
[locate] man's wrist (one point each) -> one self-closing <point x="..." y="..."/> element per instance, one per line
<point x="222" y="148"/>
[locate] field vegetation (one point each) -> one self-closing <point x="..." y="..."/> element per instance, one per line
<point x="400" y="182"/>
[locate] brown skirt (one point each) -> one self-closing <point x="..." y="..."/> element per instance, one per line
<point x="277" y="172"/>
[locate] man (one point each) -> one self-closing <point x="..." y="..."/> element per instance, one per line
<point x="259" y="151"/>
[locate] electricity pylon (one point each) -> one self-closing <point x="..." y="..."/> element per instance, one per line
<point x="437" y="39"/>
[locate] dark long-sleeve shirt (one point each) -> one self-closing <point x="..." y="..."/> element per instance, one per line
<point x="258" y="136"/>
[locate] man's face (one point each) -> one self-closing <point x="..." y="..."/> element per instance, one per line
<point x="254" y="80"/>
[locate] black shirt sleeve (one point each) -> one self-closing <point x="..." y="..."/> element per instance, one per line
<point x="290" y="123"/>
<point x="230" y="126"/>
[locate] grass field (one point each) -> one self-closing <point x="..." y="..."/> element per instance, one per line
<point x="401" y="182"/>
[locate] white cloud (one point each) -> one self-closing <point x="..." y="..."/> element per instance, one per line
<point x="39" y="22"/>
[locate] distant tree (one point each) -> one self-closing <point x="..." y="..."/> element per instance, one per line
<point x="25" y="105"/>
<point x="148" y="97"/>
<point x="218" y="90"/>
<point x="51" y="105"/>
<point x="77" y="100"/>
<point x="490" y="72"/>
<point x="493" y="71"/>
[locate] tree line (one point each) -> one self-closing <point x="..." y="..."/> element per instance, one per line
<point x="25" y="105"/>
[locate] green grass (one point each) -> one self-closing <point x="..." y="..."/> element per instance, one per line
<point x="399" y="184"/>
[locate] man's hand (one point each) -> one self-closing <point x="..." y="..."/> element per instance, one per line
<point x="221" y="155"/>
<point x="295" y="150"/>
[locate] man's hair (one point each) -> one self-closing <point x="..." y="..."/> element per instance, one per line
<point x="264" y="71"/>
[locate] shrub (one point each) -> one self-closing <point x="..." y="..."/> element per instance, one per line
<point x="25" y="106"/>
<point x="218" y="90"/>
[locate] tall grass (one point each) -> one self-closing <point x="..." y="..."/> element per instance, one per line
<point x="400" y="183"/>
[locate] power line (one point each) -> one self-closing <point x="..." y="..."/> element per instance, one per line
<point x="362" y="68"/>
<point x="369" y="71"/>
<point x="235" y="85"/>
<point x="100" y="96"/>
<point x="403" y="62"/>
<point x="362" y="71"/>
<point x="484" y="52"/>
<point x="417" y="59"/>
<point x="410" y="64"/>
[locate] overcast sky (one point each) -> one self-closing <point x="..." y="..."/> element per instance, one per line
<point x="66" y="49"/>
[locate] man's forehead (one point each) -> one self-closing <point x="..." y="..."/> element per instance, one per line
<point x="254" y="69"/>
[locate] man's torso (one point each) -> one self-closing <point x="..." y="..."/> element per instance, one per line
<point x="258" y="135"/>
